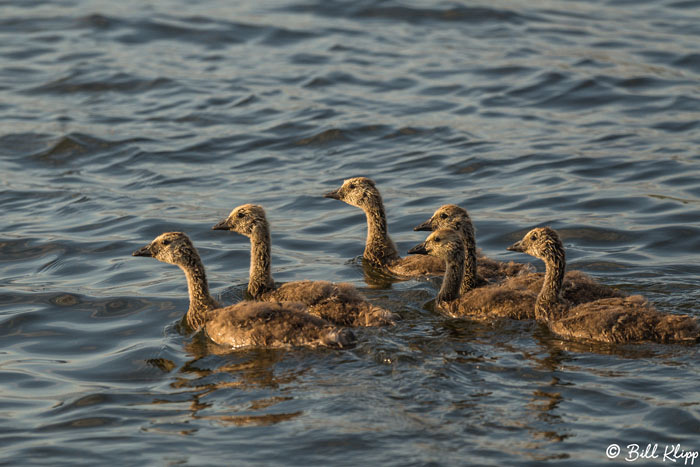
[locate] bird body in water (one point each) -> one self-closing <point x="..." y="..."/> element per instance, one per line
<point x="339" y="303"/>
<point x="245" y="324"/>
<point x="380" y="250"/>
<point x="459" y="295"/>
<point x="613" y="320"/>
<point x="451" y="216"/>
<point x="578" y="287"/>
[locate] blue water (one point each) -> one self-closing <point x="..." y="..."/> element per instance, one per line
<point x="122" y="120"/>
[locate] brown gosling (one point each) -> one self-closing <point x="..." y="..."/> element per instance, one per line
<point x="451" y="216"/>
<point x="458" y="296"/>
<point x="578" y="287"/>
<point x="380" y="250"/>
<point x="613" y="320"/>
<point x="245" y="324"/>
<point x="339" y="303"/>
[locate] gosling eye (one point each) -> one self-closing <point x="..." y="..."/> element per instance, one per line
<point x="437" y="239"/>
<point x="240" y="215"/>
<point x="166" y="242"/>
<point x="443" y="216"/>
<point x="351" y="186"/>
<point x="533" y="236"/>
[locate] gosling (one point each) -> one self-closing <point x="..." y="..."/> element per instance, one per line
<point x="458" y="296"/>
<point x="612" y="320"/>
<point x="246" y="324"/>
<point x="578" y="287"/>
<point x="380" y="250"/>
<point x="451" y="216"/>
<point x="339" y="303"/>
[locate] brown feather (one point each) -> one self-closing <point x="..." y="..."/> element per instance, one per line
<point x="412" y="266"/>
<point x="245" y="324"/>
<point x="339" y="303"/>
<point x="262" y="324"/>
<point x="460" y="300"/>
<point x="492" y="301"/>
<point x="380" y="250"/>
<point x="614" y="320"/>
<point x="451" y="216"/>
<point x="496" y="271"/>
<point x="577" y="287"/>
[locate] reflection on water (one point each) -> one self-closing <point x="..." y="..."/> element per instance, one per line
<point x="203" y="379"/>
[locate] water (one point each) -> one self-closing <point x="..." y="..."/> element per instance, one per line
<point x="122" y="120"/>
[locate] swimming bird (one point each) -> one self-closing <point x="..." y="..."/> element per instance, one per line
<point x="245" y="324"/>
<point x="458" y="295"/>
<point x="613" y="320"/>
<point x="451" y="216"/>
<point x="578" y="287"/>
<point x="380" y="250"/>
<point x="339" y="303"/>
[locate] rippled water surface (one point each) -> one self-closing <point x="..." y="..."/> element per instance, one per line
<point x="122" y="120"/>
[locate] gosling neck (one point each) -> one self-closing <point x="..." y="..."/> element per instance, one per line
<point x="260" y="280"/>
<point x="379" y="248"/>
<point x="469" y="281"/>
<point x="453" y="280"/>
<point x="201" y="302"/>
<point x="547" y="306"/>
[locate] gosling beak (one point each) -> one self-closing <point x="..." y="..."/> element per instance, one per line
<point x="333" y="194"/>
<point x="425" y="226"/>
<point x="419" y="249"/>
<point x="517" y="246"/>
<point x="223" y="225"/>
<point x="143" y="251"/>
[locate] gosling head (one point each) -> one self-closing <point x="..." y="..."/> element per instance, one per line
<point x="542" y="242"/>
<point x="171" y="247"/>
<point x="360" y="192"/>
<point x="244" y="219"/>
<point x="443" y="244"/>
<point x="448" y="216"/>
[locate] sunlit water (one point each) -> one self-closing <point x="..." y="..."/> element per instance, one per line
<point x="122" y="120"/>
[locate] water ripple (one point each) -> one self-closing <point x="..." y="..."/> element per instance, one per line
<point x="121" y="121"/>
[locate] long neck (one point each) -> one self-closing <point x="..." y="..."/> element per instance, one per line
<point x="260" y="276"/>
<point x="548" y="303"/>
<point x="454" y="272"/>
<point x="379" y="247"/>
<point x="200" y="300"/>
<point x="470" y="277"/>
